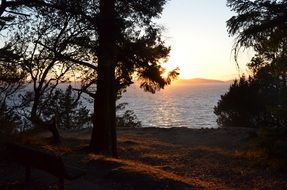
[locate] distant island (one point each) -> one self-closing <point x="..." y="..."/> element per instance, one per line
<point x="198" y="81"/>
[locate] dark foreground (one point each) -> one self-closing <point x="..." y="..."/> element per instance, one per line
<point x="152" y="158"/>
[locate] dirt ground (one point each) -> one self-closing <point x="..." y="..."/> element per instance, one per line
<point x="154" y="158"/>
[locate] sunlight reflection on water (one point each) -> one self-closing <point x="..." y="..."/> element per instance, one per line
<point x="177" y="106"/>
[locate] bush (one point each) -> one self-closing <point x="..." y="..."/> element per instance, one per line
<point x="241" y="106"/>
<point x="9" y="123"/>
<point x="254" y="102"/>
<point x="128" y="119"/>
<point x="69" y="111"/>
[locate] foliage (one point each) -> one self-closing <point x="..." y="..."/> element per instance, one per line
<point x="113" y="42"/>
<point x="10" y="122"/>
<point x="128" y="119"/>
<point x="259" y="101"/>
<point x="35" y="43"/>
<point x="258" y="24"/>
<point x="68" y="109"/>
<point x="12" y="79"/>
<point x="57" y="38"/>
<point x="240" y="106"/>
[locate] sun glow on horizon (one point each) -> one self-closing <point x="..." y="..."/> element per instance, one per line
<point x="200" y="45"/>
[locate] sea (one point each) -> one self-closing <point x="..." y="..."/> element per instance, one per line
<point x="186" y="105"/>
<point x="183" y="105"/>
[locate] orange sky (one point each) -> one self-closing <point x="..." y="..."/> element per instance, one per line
<point x="201" y="47"/>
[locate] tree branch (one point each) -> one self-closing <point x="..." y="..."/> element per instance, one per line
<point x="67" y="58"/>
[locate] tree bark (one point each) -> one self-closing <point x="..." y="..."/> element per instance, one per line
<point x="103" y="138"/>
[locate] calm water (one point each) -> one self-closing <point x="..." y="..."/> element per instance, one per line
<point x="177" y="106"/>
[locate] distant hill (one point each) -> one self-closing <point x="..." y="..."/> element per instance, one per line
<point x="230" y="81"/>
<point x="198" y="81"/>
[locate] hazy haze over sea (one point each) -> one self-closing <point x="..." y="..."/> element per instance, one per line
<point x="186" y="105"/>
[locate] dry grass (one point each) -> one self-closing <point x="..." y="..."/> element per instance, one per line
<point x="172" y="159"/>
<point x="130" y="169"/>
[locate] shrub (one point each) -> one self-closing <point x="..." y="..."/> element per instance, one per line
<point x="9" y="123"/>
<point x="69" y="111"/>
<point x="128" y="119"/>
<point x="241" y="106"/>
<point x="255" y="102"/>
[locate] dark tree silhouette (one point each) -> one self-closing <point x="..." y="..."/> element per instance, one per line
<point x="12" y="79"/>
<point x="124" y="51"/>
<point x="258" y="24"/>
<point x="69" y="110"/>
<point x="124" y="43"/>
<point x="259" y="101"/>
<point x="104" y="132"/>
<point x="12" y="76"/>
<point x="37" y="48"/>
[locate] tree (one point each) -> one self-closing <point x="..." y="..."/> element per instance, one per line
<point x="12" y="79"/>
<point x="37" y="42"/>
<point x="260" y="100"/>
<point x="239" y="105"/>
<point x="258" y="24"/>
<point x="71" y="112"/>
<point x="128" y="43"/>
<point x="128" y="119"/>
<point x="67" y="108"/>
<point x="112" y="33"/>
<point x="104" y="132"/>
<point x="251" y="103"/>
<point x="124" y="43"/>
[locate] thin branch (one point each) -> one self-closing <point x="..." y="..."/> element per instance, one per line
<point x="67" y="58"/>
<point x="85" y="91"/>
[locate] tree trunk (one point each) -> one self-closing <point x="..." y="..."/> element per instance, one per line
<point x="52" y="126"/>
<point x="104" y="130"/>
<point x="38" y="122"/>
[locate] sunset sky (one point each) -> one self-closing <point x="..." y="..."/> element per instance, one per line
<point x="201" y="47"/>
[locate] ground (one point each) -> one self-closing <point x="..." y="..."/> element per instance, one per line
<point x="153" y="158"/>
